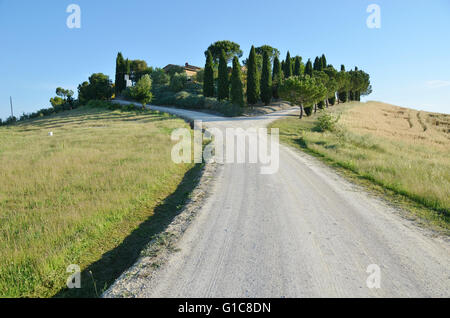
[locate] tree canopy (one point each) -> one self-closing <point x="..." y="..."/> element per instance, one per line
<point x="141" y="92"/>
<point x="230" y="48"/>
<point x="99" y="87"/>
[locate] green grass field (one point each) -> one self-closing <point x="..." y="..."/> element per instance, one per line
<point x="403" y="151"/>
<point x="93" y="194"/>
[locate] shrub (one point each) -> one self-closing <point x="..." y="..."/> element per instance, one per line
<point x="326" y="121"/>
<point x="165" y="97"/>
<point x="142" y="91"/>
<point x="225" y="108"/>
<point x="194" y="88"/>
<point x="185" y="99"/>
<point x="160" y="77"/>
<point x="178" y="82"/>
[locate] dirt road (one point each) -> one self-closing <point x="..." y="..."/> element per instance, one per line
<point x="301" y="232"/>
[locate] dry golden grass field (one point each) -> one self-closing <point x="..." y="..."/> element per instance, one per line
<point x="403" y="150"/>
<point x="93" y="194"/>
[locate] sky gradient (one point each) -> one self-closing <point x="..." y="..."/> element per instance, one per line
<point x="408" y="58"/>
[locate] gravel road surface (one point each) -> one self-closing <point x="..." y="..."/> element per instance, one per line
<point x="301" y="232"/>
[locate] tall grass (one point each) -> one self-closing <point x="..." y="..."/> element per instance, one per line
<point x="387" y="145"/>
<point x="70" y="198"/>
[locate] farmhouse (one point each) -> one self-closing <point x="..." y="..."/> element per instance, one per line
<point x="190" y="70"/>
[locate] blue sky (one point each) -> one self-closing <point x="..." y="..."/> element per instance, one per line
<point x="408" y="58"/>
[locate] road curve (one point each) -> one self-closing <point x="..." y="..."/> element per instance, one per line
<point x="301" y="232"/>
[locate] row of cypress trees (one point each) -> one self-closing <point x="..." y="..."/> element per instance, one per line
<point x="258" y="87"/>
<point x="263" y="83"/>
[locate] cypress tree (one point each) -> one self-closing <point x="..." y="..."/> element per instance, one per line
<point x="288" y="66"/>
<point x="266" y="80"/>
<point x="252" y="78"/>
<point x="276" y="77"/>
<point x="120" y="75"/>
<point x="223" y="84"/>
<point x="283" y="65"/>
<point x="127" y="67"/>
<point x="309" y="68"/>
<point x="208" y="81"/>
<point x="237" y="90"/>
<point x="297" y="66"/>
<point x="324" y="62"/>
<point x="342" y="95"/>
<point x="317" y="64"/>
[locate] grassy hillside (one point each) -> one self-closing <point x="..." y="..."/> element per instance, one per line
<point x="400" y="149"/>
<point x="104" y="183"/>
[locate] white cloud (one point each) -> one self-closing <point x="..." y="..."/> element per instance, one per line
<point x="437" y="84"/>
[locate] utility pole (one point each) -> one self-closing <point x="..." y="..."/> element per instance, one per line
<point x="10" y="101"/>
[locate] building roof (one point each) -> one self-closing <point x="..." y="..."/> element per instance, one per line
<point x="186" y="66"/>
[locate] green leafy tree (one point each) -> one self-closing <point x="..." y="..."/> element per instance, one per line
<point x="139" y="68"/>
<point x="288" y="66"/>
<point x="64" y="93"/>
<point x="303" y="91"/>
<point x="359" y="82"/>
<point x="99" y="87"/>
<point x="230" y="48"/>
<point x="317" y="64"/>
<point x="266" y="80"/>
<point x="160" y="78"/>
<point x="271" y="51"/>
<point x="237" y="88"/>
<point x="323" y="60"/>
<point x="56" y="101"/>
<point x="252" y="78"/>
<point x="200" y="76"/>
<point x="366" y="88"/>
<point x="142" y="91"/>
<point x="178" y="82"/>
<point x="208" y="83"/>
<point x="322" y="78"/>
<point x="308" y="68"/>
<point x="277" y="76"/>
<point x="223" y="82"/>
<point x="343" y="85"/>
<point x="297" y="66"/>
<point x="121" y="68"/>
<point x="332" y="84"/>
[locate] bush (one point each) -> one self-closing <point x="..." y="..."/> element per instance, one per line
<point x="178" y="82"/>
<point x="141" y="92"/>
<point x="160" y="77"/>
<point x="326" y="121"/>
<point x="194" y="88"/>
<point x="225" y="108"/>
<point x="164" y="98"/>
